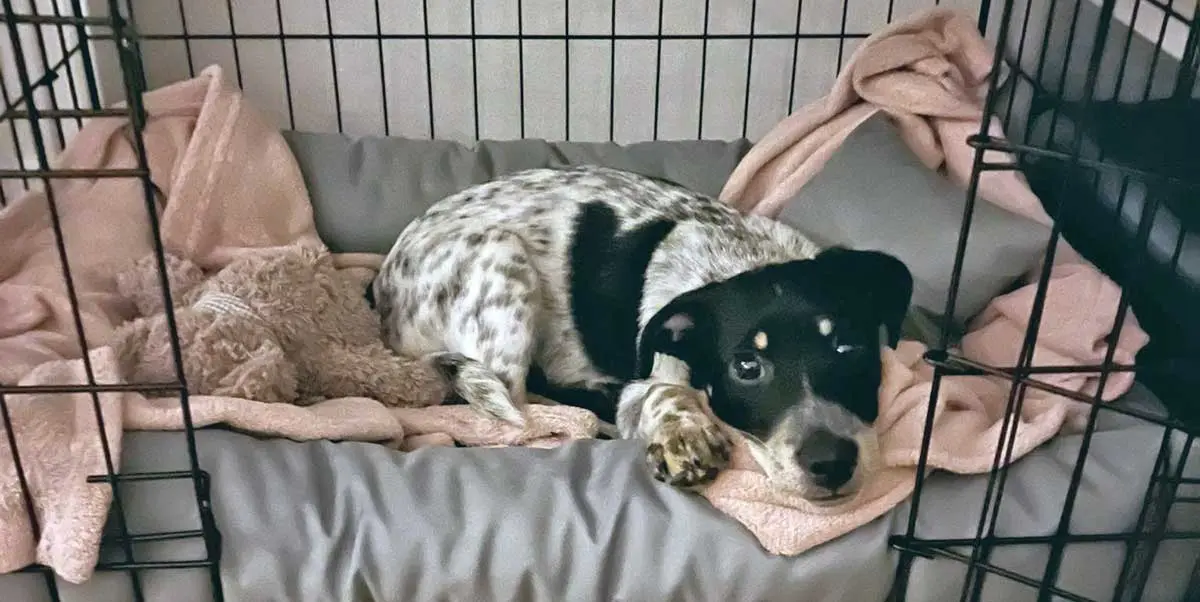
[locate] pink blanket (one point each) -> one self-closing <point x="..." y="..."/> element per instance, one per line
<point x="929" y="75"/>
<point x="227" y="184"/>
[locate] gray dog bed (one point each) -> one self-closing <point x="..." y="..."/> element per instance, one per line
<point x="340" y="521"/>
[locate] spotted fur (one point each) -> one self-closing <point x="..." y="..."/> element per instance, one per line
<point x="560" y="277"/>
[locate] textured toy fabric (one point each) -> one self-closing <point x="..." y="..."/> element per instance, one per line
<point x="281" y="326"/>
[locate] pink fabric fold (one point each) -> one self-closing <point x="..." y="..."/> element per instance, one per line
<point x="929" y="74"/>
<point x="226" y="184"/>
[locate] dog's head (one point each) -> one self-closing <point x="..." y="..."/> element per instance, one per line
<point x="791" y="356"/>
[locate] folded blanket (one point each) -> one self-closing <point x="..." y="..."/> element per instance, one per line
<point x="928" y="74"/>
<point x="227" y="184"/>
<point x="198" y="138"/>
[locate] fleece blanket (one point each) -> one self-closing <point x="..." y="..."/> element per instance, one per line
<point x="224" y="183"/>
<point x="929" y="74"/>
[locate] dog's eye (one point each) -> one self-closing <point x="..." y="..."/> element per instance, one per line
<point x="749" y="368"/>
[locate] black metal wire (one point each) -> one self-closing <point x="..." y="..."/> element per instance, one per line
<point x="904" y="566"/>
<point x="964" y="232"/>
<point x="1170" y="11"/>
<point x="429" y="66"/>
<point x="566" y="71"/>
<point x="133" y="76"/>
<point x="520" y="69"/>
<point x="1118" y="211"/>
<point x="85" y="53"/>
<point x="287" y="75"/>
<point x="658" y="69"/>
<point x="186" y="37"/>
<point x="1193" y="590"/>
<point x="1189" y="62"/>
<point x="35" y="19"/>
<point x="941" y="552"/>
<point x="51" y="92"/>
<point x="1129" y="571"/>
<point x="383" y="95"/>
<point x="133" y="79"/>
<point x="953" y="365"/>
<point x="795" y="54"/>
<point x="1161" y="461"/>
<point x="1142" y="562"/>
<point x="841" y="40"/>
<point x="704" y="72"/>
<point x="43" y="159"/>
<point x="595" y="37"/>
<point x="1013" y="86"/>
<point x="997" y="479"/>
<point x="12" y="129"/>
<point x="1149" y="209"/>
<point x="237" y="57"/>
<point x="612" y="75"/>
<point x="66" y="54"/>
<point x="973" y="552"/>
<point x="750" y="68"/>
<point x="994" y="495"/>
<point x="337" y="92"/>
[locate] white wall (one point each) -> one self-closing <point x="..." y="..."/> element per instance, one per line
<point x="17" y="148"/>
<point x="362" y="93"/>
<point x="310" y="65"/>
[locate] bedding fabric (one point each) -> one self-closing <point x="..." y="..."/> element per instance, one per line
<point x="341" y="521"/>
<point x="365" y="190"/>
<point x="332" y="521"/>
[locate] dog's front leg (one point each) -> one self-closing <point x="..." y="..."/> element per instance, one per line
<point x="684" y="446"/>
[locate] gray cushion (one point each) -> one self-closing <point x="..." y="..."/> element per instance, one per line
<point x="341" y="521"/>
<point x="365" y="190"/>
<point x="874" y="194"/>
<point x="336" y="521"/>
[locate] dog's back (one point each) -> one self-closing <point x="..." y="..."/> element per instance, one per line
<point x="560" y="268"/>
<point x="612" y="284"/>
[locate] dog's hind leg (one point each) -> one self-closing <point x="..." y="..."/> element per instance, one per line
<point x="490" y="324"/>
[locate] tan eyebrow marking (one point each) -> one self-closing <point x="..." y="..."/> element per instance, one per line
<point x="825" y="326"/>
<point x="760" y="340"/>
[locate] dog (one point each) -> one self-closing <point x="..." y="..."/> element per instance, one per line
<point x="635" y="297"/>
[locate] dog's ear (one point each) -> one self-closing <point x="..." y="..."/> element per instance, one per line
<point x="876" y="284"/>
<point x="681" y="329"/>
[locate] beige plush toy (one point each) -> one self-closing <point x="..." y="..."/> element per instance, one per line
<point x="287" y="327"/>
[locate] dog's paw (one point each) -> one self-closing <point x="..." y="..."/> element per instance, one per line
<point x="687" y="449"/>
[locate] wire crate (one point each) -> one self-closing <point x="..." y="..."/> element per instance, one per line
<point x="600" y="70"/>
<point x="51" y="52"/>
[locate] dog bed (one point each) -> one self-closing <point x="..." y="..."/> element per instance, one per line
<point x="323" y="520"/>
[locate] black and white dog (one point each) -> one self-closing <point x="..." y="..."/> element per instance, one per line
<point x="606" y="289"/>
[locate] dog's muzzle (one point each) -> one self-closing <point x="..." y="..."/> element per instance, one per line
<point x="825" y="456"/>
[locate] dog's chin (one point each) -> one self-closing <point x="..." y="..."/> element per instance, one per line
<point x="830" y="500"/>
<point x="788" y="478"/>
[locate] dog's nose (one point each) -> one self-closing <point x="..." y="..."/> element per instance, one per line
<point x="828" y="459"/>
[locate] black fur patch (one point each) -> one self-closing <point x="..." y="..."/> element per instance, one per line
<point x="369" y="295"/>
<point x="857" y="290"/>
<point x="601" y="403"/>
<point x="608" y="271"/>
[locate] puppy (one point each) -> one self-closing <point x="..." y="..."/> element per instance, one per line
<point x="628" y="295"/>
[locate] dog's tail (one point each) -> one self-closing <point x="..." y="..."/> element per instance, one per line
<point x="478" y="386"/>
